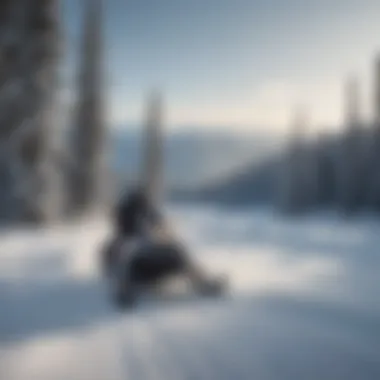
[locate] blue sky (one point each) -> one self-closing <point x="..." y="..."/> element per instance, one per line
<point x="234" y="63"/>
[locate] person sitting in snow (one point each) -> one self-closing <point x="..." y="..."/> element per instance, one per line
<point x="135" y="217"/>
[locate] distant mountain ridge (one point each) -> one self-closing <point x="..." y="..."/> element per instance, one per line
<point x="193" y="159"/>
<point x="252" y="184"/>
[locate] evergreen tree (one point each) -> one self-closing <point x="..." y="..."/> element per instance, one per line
<point x="348" y="162"/>
<point x="89" y="135"/>
<point x="29" y="58"/>
<point x="374" y="147"/>
<point x="153" y="150"/>
<point x="291" y="196"/>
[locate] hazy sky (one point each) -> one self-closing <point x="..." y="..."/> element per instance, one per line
<point x="238" y="63"/>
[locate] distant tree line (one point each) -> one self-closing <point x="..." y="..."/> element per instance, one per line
<point x="337" y="170"/>
<point x="340" y="170"/>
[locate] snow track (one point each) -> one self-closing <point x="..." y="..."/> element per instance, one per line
<point x="304" y="305"/>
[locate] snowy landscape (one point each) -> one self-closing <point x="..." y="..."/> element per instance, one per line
<point x="243" y="118"/>
<point x="303" y="303"/>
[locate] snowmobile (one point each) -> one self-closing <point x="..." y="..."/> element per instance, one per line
<point x="148" y="261"/>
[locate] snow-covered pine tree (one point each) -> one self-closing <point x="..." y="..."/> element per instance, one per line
<point x="290" y="197"/>
<point x="373" y="146"/>
<point x="88" y="140"/>
<point x="153" y="170"/>
<point x="348" y="157"/>
<point x="29" y="58"/>
<point x="325" y="171"/>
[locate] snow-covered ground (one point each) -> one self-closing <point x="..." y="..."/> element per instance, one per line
<point x="304" y="304"/>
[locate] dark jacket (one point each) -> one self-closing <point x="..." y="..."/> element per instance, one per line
<point x="132" y="211"/>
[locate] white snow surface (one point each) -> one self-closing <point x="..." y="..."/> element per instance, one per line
<point x="304" y="304"/>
